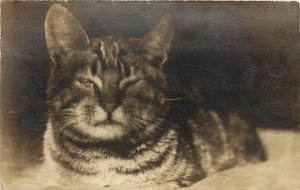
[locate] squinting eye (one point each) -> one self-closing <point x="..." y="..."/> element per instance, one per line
<point x="86" y="82"/>
<point x="130" y="83"/>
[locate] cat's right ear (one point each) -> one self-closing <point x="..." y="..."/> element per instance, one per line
<point x="63" y="32"/>
<point x="157" y="43"/>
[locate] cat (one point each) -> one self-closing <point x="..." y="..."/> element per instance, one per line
<point x="112" y="123"/>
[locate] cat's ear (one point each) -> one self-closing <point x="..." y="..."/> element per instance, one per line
<point x="157" y="43"/>
<point x="63" y="32"/>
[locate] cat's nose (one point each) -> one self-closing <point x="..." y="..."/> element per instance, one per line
<point x="110" y="100"/>
<point x="110" y="107"/>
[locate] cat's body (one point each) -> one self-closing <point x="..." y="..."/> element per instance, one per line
<point x="110" y="122"/>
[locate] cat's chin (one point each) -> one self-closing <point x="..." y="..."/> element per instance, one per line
<point x="103" y="130"/>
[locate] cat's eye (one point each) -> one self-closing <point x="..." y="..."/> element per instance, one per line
<point x="86" y="82"/>
<point x="124" y="85"/>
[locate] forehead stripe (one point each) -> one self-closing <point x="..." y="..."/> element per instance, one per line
<point x="94" y="67"/>
<point x="103" y="52"/>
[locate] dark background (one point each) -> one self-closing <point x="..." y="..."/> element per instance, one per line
<point x="240" y="52"/>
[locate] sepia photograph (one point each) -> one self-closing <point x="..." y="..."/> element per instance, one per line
<point x="109" y="95"/>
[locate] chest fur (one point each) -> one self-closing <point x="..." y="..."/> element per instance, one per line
<point x="167" y="161"/>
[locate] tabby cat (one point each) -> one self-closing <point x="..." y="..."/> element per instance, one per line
<point x="110" y="119"/>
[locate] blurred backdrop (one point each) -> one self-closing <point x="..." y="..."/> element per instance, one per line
<point x="245" y="53"/>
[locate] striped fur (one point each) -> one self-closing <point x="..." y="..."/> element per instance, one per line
<point x="109" y="121"/>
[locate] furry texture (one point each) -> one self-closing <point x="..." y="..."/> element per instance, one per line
<point x="110" y="121"/>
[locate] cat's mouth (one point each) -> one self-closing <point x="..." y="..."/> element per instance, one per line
<point x="107" y="123"/>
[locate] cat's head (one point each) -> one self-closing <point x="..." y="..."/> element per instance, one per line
<point x="106" y="88"/>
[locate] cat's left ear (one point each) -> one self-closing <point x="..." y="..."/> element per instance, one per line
<point x="156" y="44"/>
<point x="63" y="32"/>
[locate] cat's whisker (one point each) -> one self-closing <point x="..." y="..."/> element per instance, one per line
<point x="148" y="119"/>
<point x="139" y="128"/>
<point x="136" y="124"/>
<point x="179" y="98"/>
<point x="155" y="123"/>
